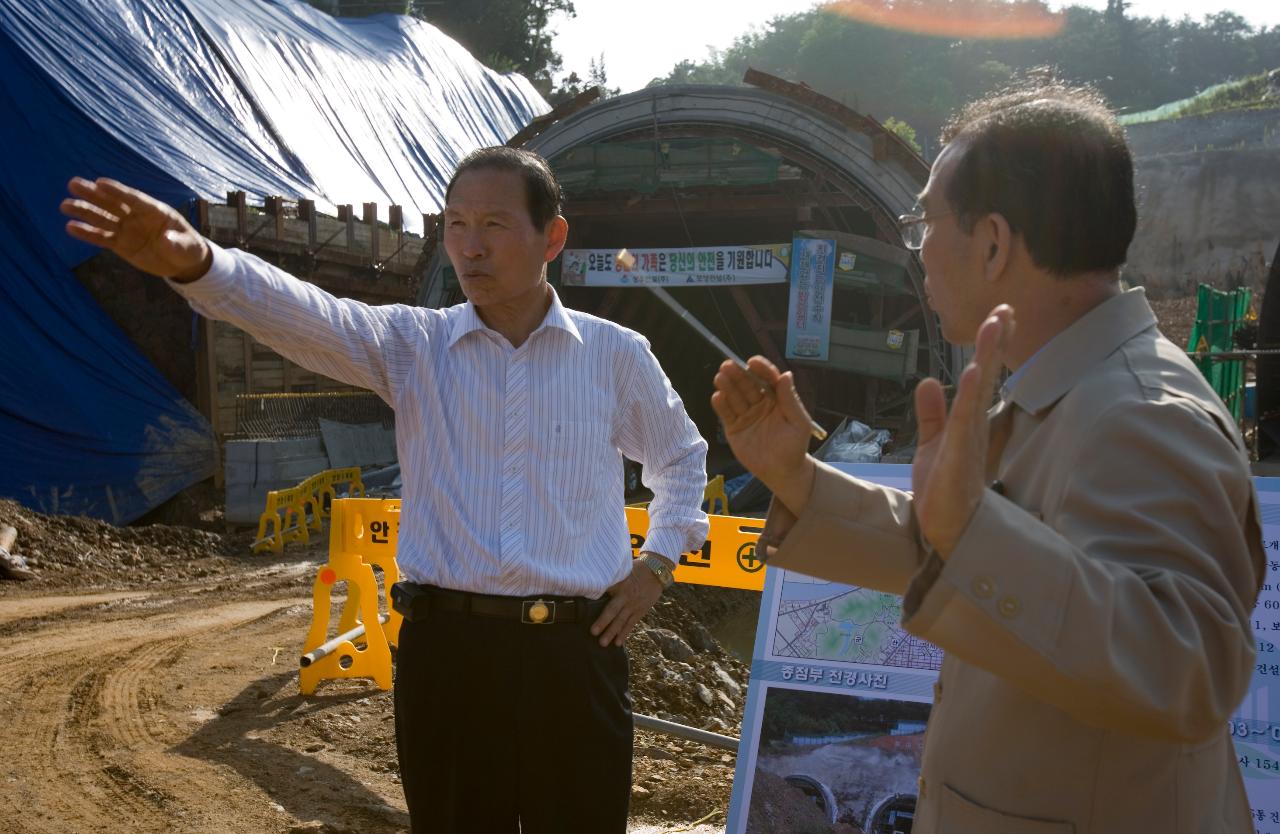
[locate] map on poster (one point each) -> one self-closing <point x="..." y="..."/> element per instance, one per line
<point x="833" y="730"/>
<point x="820" y="620"/>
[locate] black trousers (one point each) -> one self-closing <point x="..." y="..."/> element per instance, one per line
<point x="503" y="727"/>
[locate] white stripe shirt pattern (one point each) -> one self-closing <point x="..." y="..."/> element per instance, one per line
<point x="511" y="458"/>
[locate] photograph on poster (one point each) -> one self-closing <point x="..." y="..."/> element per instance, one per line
<point x="831" y="762"/>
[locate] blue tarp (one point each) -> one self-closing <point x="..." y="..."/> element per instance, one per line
<point x="187" y="98"/>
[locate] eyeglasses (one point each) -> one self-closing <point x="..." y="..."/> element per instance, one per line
<point x="912" y="226"/>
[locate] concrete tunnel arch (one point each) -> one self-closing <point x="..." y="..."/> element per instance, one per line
<point x="845" y="174"/>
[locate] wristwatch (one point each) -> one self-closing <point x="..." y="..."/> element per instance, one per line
<point x="659" y="566"/>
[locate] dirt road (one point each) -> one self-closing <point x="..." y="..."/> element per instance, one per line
<point x="174" y="711"/>
<point x="174" y="707"/>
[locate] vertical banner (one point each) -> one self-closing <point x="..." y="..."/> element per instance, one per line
<point x="833" y="731"/>
<point x="809" y="312"/>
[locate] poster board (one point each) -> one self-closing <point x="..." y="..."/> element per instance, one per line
<point x="831" y="649"/>
<point x="828" y="649"/>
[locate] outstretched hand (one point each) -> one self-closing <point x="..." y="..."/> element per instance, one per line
<point x="767" y="430"/>
<point x="948" y="472"/>
<point x="145" y="232"/>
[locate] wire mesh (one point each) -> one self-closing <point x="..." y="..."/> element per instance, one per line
<point x="284" y="416"/>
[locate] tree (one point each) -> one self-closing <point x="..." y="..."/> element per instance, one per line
<point x="573" y="85"/>
<point x="1137" y="62"/>
<point x="599" y="77"/>
<point x="903" y="131"/>
<point x="506" y="35"/>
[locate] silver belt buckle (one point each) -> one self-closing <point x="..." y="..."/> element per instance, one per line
<point x="538" y="612"/>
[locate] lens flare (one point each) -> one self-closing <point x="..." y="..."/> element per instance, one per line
<point x="967" y="19"/>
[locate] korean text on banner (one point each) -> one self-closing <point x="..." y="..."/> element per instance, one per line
<point x="697" y="266"/>
<point x="809" y="312"/>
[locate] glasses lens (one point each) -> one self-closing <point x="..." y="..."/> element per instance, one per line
<point x="912" y="227"/>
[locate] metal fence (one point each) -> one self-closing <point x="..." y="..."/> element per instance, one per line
<point x="283" y="416"/>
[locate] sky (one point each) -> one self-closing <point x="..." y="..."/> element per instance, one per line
<point x="644" y="40"/>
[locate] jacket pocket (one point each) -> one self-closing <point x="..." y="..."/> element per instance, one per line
<point x="960" y="815"/>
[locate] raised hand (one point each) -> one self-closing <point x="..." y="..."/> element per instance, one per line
<point x="145" y="232"/>
<point x="949" y="468"/>
<point x="768" y="434"/>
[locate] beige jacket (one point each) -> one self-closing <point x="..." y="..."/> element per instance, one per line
<point x="1096" y="618"/>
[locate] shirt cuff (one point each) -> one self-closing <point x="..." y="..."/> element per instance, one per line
<point x="667" y="542"/>
<point x="213" y="284"/>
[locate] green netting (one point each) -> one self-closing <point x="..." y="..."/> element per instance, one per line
<point x="647" y="166"/>
<point x="1173" y="108"/>
<point x="1219" y="314"/>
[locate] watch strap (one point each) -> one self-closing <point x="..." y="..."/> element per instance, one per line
<point x="660" y="568"/>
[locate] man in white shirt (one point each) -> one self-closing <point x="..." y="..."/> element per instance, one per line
<point x="513" y="413"/>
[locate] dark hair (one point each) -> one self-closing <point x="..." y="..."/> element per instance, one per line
<point x="1052" y="160"/>
<point x="542" y="190"/>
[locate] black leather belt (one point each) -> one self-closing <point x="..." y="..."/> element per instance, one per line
<point x="415" y="601"/>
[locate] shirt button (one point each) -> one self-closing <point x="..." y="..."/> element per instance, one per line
<point x="1009" y="607"/>
<point x="983" y="587"/>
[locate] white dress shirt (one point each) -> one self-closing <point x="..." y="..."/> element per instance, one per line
<point x="511" y="458"/>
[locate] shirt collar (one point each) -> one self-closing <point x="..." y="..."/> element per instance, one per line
<point x="468" y="321"/>
<point x="1006" y="390"/>
<point x="1066" y="358"/>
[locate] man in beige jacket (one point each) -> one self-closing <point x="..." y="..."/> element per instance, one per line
<point x="1087" y="552"/>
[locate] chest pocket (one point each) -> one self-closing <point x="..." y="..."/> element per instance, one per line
<point x="578" y="453"/>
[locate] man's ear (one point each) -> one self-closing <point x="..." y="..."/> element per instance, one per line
<point x="557" y="233"/>
<point x="999" y="244"/>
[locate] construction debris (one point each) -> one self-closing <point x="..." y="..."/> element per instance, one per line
<point x="12" y="566"/>
<point x="87" y="553"/>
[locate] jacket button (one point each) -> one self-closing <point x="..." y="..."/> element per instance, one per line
<point x="983" y="587"/>
<point x="937" y="691"/>
<point x="1009" y="607"/>
<point x="920" y="787"/>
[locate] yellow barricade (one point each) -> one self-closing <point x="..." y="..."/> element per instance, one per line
<point x="291" y="514"/>
<point x="714" y="499"/>
<point x="362" y="535"/>
<point x="327" y="481"/>
<point x="727" y="559"/>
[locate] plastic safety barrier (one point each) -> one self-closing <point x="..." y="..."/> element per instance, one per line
<point x="714" y="499"/>
<point x="362" y="536"/>
<point x="292" y="514"/>
<point x="363" y="533"/>
<point x="727" y="559"/>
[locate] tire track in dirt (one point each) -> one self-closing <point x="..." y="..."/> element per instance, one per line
<point x="35" y="607"/>
<point x="87" y="747"/>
